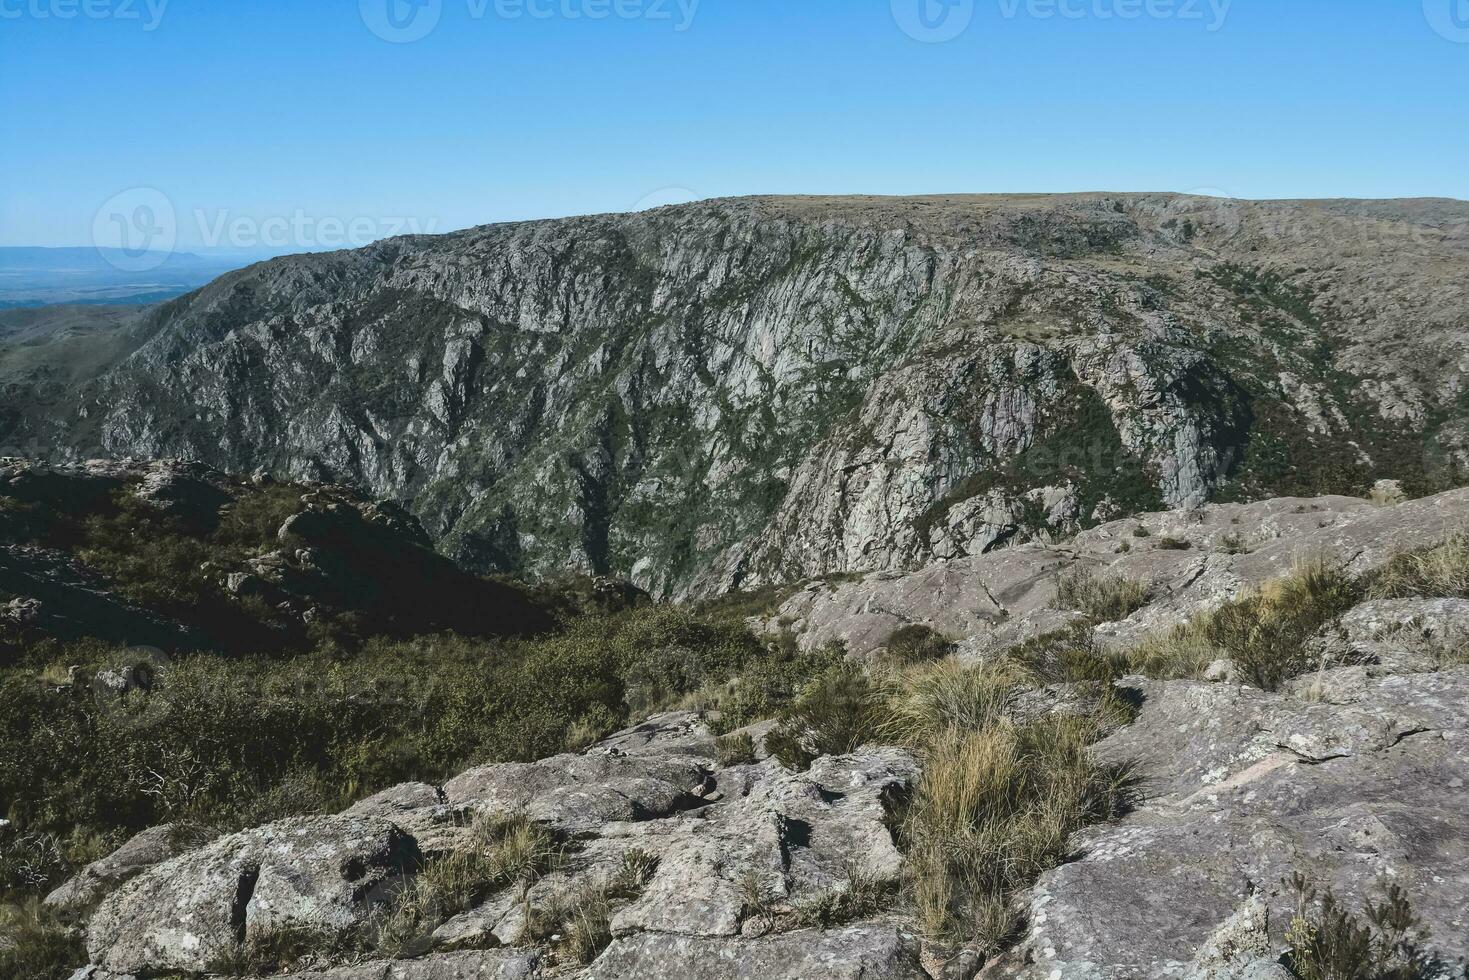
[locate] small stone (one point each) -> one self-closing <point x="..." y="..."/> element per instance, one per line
<point x="1220" y="672"/>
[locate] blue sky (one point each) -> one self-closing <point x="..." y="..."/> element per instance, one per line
<point x="267" y="119"/>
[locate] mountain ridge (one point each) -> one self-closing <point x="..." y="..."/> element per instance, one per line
<point x="739" y="391"/>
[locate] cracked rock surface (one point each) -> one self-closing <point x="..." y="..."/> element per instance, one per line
<point x="1242" y="788"/>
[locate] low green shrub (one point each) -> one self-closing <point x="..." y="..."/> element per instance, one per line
<point x="1330" y="943"/>
<point x="833" y="715"/>
<point x="737" y="749"/>
<point x="765" y="687"/>
<point x="915" y="644"/>
<point x="237" y="741"/>
<point x="39" y="946"/>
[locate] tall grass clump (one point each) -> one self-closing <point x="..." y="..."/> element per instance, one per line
<point x="502" y="851"/>
<point x="1441" y="572"/>
<point x="923" y="705"/>
<point x="1264" y="632"/>
<point x="1105" y="598"/>
<point x="1002" y="786"/>
<point x="34" y="945"/>
<point x="993" y="811"/>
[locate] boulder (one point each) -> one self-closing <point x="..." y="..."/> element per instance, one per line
<point x="101" y="878"/>
<point x="795" y="835"/>
<point x="320" y="874"/>
<point x="578" y="793"/>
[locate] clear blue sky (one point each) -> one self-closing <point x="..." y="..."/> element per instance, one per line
<point x="296" y="110"/>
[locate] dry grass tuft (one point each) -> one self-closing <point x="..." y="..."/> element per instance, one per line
<point x="993" y="810"/>
<point x="1434" y="573"/>
<point x="1263" y="632"/>
<point x="1105" y="598"/>
<point x="503" y="851"/>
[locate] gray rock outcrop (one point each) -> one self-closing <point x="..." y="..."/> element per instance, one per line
<point x="89" y="886"/>
<point x="1242" y="790"/>
<point x="322" y="875"/>
<point x="1192" y="560"/>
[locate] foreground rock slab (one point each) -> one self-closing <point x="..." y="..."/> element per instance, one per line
<point x="1244" y="789"/>
<point x="860" y="952"/>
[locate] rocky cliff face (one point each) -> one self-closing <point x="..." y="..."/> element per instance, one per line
<point x="736" y="392"/>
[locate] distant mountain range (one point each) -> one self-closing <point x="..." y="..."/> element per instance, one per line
<point x="49" y="276"/>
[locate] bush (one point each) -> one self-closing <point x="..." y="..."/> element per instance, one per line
<point x="735" y="750"/>
<point x="833" y="715"/>
<point x="1173" y="544"/>
<point x="40" y="947"/>
<point x="767" y="686"/>
<point x="1233" y="543"/>
<point x="1329" y="943"/>
<point x="1106" y="598"/>
<point x="915" y="644"/>
<point x="238" y="741"/>
<point x="1265" y="632"/>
